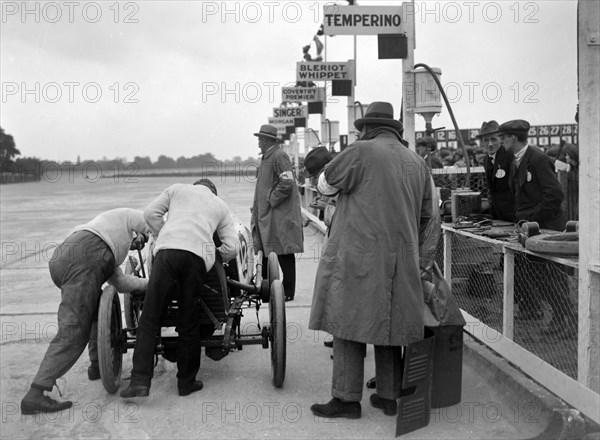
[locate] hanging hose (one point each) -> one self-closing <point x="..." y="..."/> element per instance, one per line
<point x="458" y="136"/>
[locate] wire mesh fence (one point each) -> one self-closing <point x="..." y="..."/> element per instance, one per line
<point x="545" y="323"/>
<point x="545" y="297"/>
<point x="451" y="178"/>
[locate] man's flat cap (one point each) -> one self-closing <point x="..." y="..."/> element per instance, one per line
<point x="517" y="126"/>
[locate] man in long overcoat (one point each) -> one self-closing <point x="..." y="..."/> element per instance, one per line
<point x="368" y="287"/>
<point x="276" y="221"/>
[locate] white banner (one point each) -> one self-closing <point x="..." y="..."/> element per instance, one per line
<point x="307" y="94"/>
<point x="362" y="20"/>
<point x="291" y="112"/>
<point x="326" y="71"/>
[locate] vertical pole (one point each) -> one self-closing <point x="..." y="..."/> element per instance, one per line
<point x="408" y="92"/>
<point x="448" y="257"/>
<point x="351" y="99"/>
<point x="295" y="152"/>
<point x="588" y="351"/>
<point x="508" y="294"/>
<point x="324" y="114"/>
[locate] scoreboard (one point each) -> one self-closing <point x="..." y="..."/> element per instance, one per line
<point x="539" y="135"/>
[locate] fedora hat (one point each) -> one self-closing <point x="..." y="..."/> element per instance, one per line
<point x="379" y="113"/>
<point x="488" y="128"/>
<point x="267" y="131"/>
<point x="316" y="159"/>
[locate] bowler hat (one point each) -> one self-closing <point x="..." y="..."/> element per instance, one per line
<point x="316" y="159"/>
<point x="379" y="113"/>
<point x="516" y="126"/>
<point x="267" y="131"/>
<point x="488" y="128"/>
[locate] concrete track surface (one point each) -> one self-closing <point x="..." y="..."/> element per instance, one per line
<point x="238" y="399"/>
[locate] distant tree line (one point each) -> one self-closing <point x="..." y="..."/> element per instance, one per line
<point x="25" y="169"/>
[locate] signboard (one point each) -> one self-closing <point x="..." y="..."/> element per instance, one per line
<point x="362" y="20"/>
<point x="542" y="136"/>
<point x="325" y="71"/>
<point x="291" y="112"/>
<point x="307" y="94"/>
<point x="281" y="121"/>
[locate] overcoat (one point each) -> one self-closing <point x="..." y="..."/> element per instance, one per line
<point x="276" y="221"/>
<point x="502" y="199"/>
<point x="538" y="195"/>
<point x="368" y="286"/>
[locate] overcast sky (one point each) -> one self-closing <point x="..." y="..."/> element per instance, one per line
<point x="147" y="78"/>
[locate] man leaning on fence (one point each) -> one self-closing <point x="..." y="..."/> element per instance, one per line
<point x="368" y="285"/>
<point x="538" y="197"/>
<point x="80" y="265"/>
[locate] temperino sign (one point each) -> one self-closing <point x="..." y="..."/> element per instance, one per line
<point x="306" y="94"/>
<point x="291" y="112"/>
<point x="325" y="71"/>
<point x="362" y="20"/>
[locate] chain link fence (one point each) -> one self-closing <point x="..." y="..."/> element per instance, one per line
<point x="545" y="297"/>
<point x="448" y="179"/>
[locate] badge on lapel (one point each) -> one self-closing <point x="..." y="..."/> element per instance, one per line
<point x="500" y="173"/>
<point x="528" y="176"/>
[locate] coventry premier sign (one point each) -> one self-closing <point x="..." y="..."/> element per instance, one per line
<point x="362" y="20"/>
<point x="307" y="94"/>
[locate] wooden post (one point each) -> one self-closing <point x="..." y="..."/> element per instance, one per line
<point x="588" y="353"/>
<point x="408" y="81"/>
<point x="448" y="257"/>
<point x="508" y="294"/>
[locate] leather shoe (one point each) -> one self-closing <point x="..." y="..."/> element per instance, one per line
<point x="136" y="391"/>
<point x="197" y="386"/>
<point x="43" y="404"/>
<point x="328" y="344"/>
<point x="337" y="408"/>
<point x="94" y="371"/>
<point x="289" y="298"/>
<point x="372" y="383"/>
<point x="388" y="406"/>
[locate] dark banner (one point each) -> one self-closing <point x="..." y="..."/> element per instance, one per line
<point x="539" y="135"/>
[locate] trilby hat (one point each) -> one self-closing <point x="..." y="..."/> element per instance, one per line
<point x="488" y="128"/>
<point x="379" y="113"/>
<point x="267" y="131"/>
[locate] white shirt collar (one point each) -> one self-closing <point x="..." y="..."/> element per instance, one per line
<point x="521" y="153"/>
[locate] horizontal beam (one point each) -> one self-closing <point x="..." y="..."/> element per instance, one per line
<point x="565" y="387"/>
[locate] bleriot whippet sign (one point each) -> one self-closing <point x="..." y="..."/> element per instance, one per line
<point x="325" y="71"/>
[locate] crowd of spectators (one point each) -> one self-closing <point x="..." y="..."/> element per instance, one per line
<point x="565" y="157"/>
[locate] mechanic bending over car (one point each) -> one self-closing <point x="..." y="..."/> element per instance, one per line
<point x="80" y="265"/>
<point x="183" y="254"/>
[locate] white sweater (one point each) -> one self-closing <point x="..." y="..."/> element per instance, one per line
<point x="195" y="213"/>
<point x="117" y="229"/>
